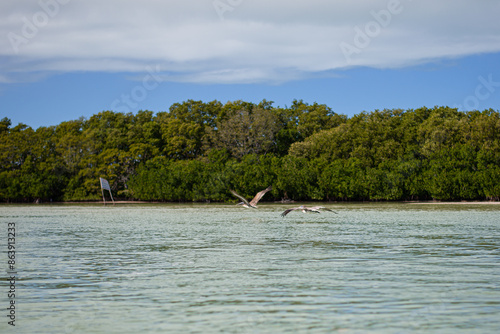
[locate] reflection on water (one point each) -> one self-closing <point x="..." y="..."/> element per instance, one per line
<point x="386" y="268"/>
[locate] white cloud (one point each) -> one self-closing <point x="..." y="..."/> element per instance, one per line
<point x="252" y="41"/>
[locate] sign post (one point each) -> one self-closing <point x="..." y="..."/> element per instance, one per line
<point x="105" y="186"/>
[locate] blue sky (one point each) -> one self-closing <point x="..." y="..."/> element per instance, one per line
<point x="63" y="59"/>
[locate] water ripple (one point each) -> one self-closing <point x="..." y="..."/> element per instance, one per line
<point x="201" y="269"/>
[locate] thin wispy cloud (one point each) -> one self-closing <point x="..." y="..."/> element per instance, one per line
<point x="245" y="41"/>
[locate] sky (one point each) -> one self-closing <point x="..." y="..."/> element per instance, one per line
<point x="65" y="59"/>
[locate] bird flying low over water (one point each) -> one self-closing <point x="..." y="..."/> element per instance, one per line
<point x="306" y="209"/>
<point x="253" y="203"/>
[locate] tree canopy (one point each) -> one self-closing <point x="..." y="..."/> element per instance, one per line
<point x="197" y="151"/>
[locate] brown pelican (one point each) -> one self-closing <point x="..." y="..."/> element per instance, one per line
<point x="306" y="209"/>
<point x="253" y="203"/>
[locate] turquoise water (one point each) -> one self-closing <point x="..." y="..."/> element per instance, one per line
<point x="371" y="268"/>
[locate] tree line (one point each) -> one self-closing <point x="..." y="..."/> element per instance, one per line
<point x="197" y="151"/>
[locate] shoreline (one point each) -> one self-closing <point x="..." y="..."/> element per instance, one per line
<point x="464" y="202"/>
<point x="276" y="202"/>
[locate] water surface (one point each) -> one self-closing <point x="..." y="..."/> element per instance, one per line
<point x="209" y="268"/>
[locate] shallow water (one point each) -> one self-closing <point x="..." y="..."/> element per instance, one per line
<point x="377" y="268"/>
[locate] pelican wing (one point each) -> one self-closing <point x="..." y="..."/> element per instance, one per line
<point x="321" y="208"/>
<point x="259" y="195"/>
<point x="240" y="197"/>
<point x="287" y="211"/>
<point x="313" y="209"/>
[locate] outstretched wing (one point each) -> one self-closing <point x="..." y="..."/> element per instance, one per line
<point x="287" y="211"/>
<point x="259" y="195"/>
<point x="321" y="208"/>
<point x="240" y="197"/>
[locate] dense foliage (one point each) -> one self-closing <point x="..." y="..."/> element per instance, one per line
<point x="198" y="151"/>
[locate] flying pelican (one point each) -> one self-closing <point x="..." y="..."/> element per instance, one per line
<point x="306" y="209"/>
<point x="253" y="203"/>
